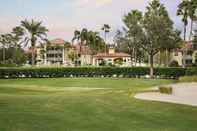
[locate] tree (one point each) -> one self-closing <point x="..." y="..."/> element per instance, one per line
<point x="95" y="42"/>
<point x="17" y="35"/>
<point x="106" y="29"/>
<point x="195" y="40"/>
<point x="125" y="43"/>
<point x="90" y="39"/>
<point x="81" y="37"/>
<point x="158" y="30"/>
<point x="34" y="32"/>
<point x="5" y="40"/>
<point x="173" y="41"/>
<point x="192" y="15"/>
<point x="133" y="23"/>
<point x="184" y="12"/>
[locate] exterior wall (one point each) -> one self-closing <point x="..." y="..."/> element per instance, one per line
<point x="39" y="56"/>
<point x="194" y="56"/>
<point x="55" y="56"/>
<point x="86" y="60"/>
<point x="67" y="60"/>
<point x="177" y="56"/>
<point x="108" y="60"/>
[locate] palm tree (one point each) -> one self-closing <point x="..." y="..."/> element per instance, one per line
<point x="17" y="34"/>
<point x="106" y="28"/>
<point x="192" y="15"/>
<point x="34" y="32"/>
<point x="81" y="37"/>
<point x="95" y="42"/>
<point x="183" y="11"/>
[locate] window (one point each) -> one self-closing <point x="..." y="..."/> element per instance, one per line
<point x="188" y="62"/>
<point x="109" y="59"/>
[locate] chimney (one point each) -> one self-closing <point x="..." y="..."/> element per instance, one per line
<point x="111" y="50"/>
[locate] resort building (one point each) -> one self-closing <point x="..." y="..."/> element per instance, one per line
<point x="112" y="58"/>
<point x="53" y="53"/>
<point x="186" y="56"/>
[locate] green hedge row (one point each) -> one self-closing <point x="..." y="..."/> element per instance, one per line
<point x="135" y="72"/>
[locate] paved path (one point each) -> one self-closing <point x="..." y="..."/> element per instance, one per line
<point x="183" y="93"/>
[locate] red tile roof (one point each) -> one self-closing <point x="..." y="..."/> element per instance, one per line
<point x="58" y="41"/>
<point x="107" y="55"/>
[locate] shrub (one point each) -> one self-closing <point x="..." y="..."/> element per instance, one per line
<point x="170" y="73"/>
<point x="188" y="79"/>
<point x="131" y="72"/>
<point x="191" y="71"/>
<point x="166" y="90"/>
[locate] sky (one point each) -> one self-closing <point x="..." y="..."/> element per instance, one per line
<point x="62" y="17"/>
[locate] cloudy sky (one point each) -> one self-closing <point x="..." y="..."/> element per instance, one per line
<point x="62" y="17"/>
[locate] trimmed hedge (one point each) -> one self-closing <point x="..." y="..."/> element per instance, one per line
<point x="134" y="72"/>
<point x="166" y="90"/>
<point x="191" y="71"/>
<point x="188" y="79"/>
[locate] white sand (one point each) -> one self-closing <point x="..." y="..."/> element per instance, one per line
<point x="183" y="93"/>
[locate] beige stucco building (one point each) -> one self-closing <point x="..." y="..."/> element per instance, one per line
<point x="112" y="58"/>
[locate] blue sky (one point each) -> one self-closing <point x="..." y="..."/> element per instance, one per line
<point x="62" y="17"/>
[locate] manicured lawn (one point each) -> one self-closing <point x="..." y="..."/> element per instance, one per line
<point x="85" y="104"/>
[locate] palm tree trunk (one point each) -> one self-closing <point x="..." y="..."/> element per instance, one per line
<point x="105" y="42"/>
<point x="33" y="56"/>
<point x="191" y="30"/>
<point x="33" y="52"/>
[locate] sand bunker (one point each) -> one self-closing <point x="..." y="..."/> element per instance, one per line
<point x="183" y="93"/>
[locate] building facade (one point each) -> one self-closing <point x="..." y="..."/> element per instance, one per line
<point x="53" y="53"/>
<point x="186" y="56"/>
<point x="112" y="58"/>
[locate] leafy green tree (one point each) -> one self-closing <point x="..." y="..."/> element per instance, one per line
<point x="133" y="23"/>
<point x="195" y="40"/>
<point x="158" y="30"/>
<point x="170" y="43"/>
<point x="5" y="41"/>
<point x="34" y="33"/>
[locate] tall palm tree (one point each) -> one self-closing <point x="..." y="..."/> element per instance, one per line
<point x="192" y="15"/>
<point x="81" y="37"/>
<point x="34" y="32"/>
<point x="106" y="28"/>
<point x="183" y="11"/>
<point x="95" y="42"/>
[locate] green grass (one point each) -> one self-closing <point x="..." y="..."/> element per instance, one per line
<point x="78" y="105"/>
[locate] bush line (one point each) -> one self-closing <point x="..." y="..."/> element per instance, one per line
<point x="134" y="72"/>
